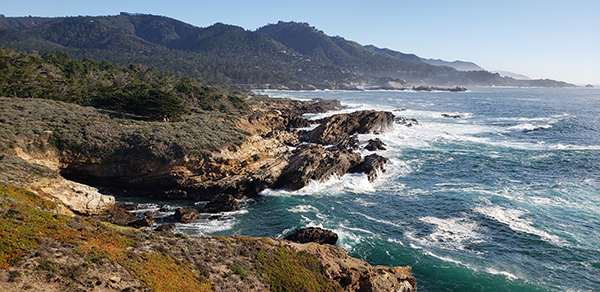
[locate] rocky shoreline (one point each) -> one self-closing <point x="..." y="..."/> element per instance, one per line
<point x="274" y="154"/>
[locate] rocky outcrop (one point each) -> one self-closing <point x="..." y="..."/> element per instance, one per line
<point x="222" y="203"/>
<point x="337" y="128"/>
<point x="375" y="144"/>
<point x="313" y="162"/>
<point x="357" y="275"/>
<point x="371" y="165"/>
<point x="313" y="234"/>
<point x="79" y="198"/>
<point x="434" y="88"/>
<point x="186" y="215"/>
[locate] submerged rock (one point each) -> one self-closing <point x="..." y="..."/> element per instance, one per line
<point x="313" y="234"/>
<point x="186" y="215"/>
<point x="222" y="203"/>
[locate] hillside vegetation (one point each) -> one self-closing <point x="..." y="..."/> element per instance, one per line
<point x="283" y="55"/>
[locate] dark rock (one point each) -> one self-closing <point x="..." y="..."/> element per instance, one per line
<point x="186" y="215"/>
<point x="125" y="206"/>
<point x="434" y="88"/>
<point x="451" y="116"/>
<point x="337" y="128"/>
<point x="405" y="121"/>
<point x="165" y="228"/>
<point x="351" y="143"/>
<point x="375" y="144"/>
<point x="313" y="234"/>
<point x="150" y="214"/>
<point x="296" y="121"/>
<point x="143" y="222"/>
<point x="163" y="209"/>
<point x="370" y="166"/>
<point x="222" y="203"/>
<point x="118" y="216"/>
<point x="313" y="162"/>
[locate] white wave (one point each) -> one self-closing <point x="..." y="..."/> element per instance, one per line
<point x="450" y="233"/>
<point x="524" y="128"/>
<point x="503" y="273"/>
<point x="203" y="227"/>
<point x="352" y="182"/>
<point x="512" y="218"/>
<point x="393" y="240"/>
<point x="377" y="220"/>
<point x="303" y="209"/>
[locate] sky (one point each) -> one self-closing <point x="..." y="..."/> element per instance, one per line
<point x="552" y="39"/>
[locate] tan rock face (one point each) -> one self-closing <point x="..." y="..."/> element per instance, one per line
<point x="79" y="198"/>
<point x="357" y="275"/>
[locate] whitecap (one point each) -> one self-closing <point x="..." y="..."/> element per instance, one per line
<point x="450" y="233"/>
<point x="303" y="209"/>
<point x="512" y="218"/>
<point x="524" y="128"/>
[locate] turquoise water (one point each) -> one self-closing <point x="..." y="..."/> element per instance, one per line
<point x="505" y="198"/>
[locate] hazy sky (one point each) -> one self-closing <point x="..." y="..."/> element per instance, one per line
<point x="541" y="39"/>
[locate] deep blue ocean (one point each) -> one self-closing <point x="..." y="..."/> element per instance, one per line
<point x="504" y="198"/>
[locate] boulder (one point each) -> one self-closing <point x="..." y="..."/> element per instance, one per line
<point x="313" y="234"/>
<point x="186" y="215"/>
<point x="79" y="198"/>
<point x="313" y="162"/>
<point x="450" y="116"/>
<point x="147" y="221"/>
<point x="118" y="216"/>
<point x="375" y="144"/>
<point x="370" y="166"/>
<point x="337" y="128"/>
<point x="405" y="121"/>
<point x="222" y="203"/>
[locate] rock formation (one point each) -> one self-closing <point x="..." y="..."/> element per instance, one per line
<point x="357" y="275"/>
<point x="375" y="144"/>
<point x="186" y="215"/>
<point x="337" y="128"/>
<point x="313" y="234"/>
<point x="221" y="203"/>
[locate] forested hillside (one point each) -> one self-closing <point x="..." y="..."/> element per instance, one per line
<point x="283" y="55"/>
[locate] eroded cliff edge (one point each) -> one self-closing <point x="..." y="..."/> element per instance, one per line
<point x="45" y="142"/>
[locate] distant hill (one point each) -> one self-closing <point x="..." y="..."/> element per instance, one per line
<point x="512" y="75"/>
<point x="458" y="65"/>
<point x="283" y="55"/>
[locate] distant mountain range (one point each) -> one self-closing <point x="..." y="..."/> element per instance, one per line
<point x="283" y="55"/>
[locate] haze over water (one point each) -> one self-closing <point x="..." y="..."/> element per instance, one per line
<point x="504" y="198"/>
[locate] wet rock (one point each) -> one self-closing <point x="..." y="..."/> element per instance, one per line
<point x="405" y="121"/>
<point x="313" y="162"/>
<point x="375" y="144"/>
<point x="371" y="165"/>
<point x="337" y="128"/>
<point x="222" y="203"/>
<point x="451" y="116"/>
<point x="127" y="206"/>
<point x="186" y="215"/>
<point x="313" y="234"/>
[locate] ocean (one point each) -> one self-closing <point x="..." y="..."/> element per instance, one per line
<point x="505" y="197"/>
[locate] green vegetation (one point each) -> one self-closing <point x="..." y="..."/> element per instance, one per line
<point x="288" y="270"/>
<point x="27" y="222"/>
<point x="137" y="90"/>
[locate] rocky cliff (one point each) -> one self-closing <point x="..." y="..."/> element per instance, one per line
<point x="273" y="154"/>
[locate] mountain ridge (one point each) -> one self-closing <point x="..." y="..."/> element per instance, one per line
<point x="284" y="55"/>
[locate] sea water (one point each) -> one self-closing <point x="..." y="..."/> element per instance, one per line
<point x="506" y="197"/>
